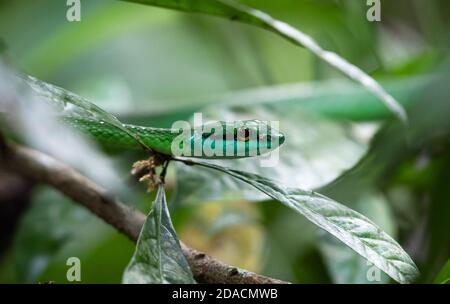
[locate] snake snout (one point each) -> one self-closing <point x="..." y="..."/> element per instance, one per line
<point x="281" y="138"/>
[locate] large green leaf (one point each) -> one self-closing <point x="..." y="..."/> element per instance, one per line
<point x="343" y="264"/>
<point x="236" y="11"/>
<point x="336" y="100"/>
<point x="70" y="104"/>
<point x="158" y="257"/>
<point x="349" y="226"/>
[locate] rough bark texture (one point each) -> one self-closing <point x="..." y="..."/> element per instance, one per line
<point x="42" y="168"/>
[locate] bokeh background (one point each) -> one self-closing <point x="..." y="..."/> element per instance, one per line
<point x="153" y="66"/>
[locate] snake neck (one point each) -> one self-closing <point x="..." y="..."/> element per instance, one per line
<point x="158" y="139"/>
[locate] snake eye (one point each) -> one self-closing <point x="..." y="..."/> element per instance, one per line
<point x="243" y="134"/>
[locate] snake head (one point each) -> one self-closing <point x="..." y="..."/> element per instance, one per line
<point x="237" y="139"/>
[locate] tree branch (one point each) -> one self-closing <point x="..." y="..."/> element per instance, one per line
<point x="43" y="168"/>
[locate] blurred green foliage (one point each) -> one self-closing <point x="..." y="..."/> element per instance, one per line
<point x="156" y="66"/>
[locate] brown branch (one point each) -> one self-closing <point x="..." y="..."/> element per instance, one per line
<point x="15" y="194"/>
<point x="46" y="169"/>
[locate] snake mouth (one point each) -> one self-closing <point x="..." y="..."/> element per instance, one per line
<point x="270" y="142"/>
<point x="276" y="140"/>
<point x="281" y="138"/>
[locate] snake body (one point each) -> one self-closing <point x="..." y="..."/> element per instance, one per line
<point x="218" y="140"/>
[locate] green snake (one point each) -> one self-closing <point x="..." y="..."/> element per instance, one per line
<point x="215" y="140"/>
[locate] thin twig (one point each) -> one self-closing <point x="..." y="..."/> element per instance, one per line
<point x="45" y="169"/>
<point x="162" y="176"/>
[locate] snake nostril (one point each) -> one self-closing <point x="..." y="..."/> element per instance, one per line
<point x="281" y="139"/>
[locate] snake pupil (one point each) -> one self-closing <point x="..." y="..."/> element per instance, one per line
<point x="243" y="134"/>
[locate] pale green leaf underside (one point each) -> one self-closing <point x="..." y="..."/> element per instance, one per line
<point x="234" y="10"/>
<point x="158" y="257"/>
<point x="349" y="226"/>
<point x="344" y="265"/>
<point x="66" y="103"/>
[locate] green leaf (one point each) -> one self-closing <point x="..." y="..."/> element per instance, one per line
<point x="69" y="104"/>
<point x="344" y="265"/>
<point x="444" y="276"/>
<point x="334" y="99"/>
<point x="236" y="11"/>
<point x="158" y="257"/>
<point x="349" y="226"/>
